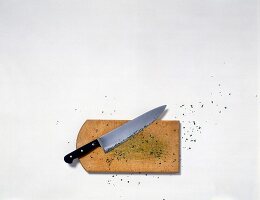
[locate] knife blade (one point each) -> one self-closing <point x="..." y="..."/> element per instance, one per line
<point x="117" y="136"/>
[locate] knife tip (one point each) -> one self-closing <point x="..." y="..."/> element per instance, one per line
<point x="161" y="108"/>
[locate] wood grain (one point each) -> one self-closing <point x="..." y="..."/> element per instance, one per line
<point x="156" y="149"/>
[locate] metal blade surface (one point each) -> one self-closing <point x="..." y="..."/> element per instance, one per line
<point x="124" y="132"/>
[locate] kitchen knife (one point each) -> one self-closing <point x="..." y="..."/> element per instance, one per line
<point x="117" y="136"/>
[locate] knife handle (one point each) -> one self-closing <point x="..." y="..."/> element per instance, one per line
<point x="81" y="151"/>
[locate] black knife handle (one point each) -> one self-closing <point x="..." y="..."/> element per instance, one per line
<point x="81" y="151"/>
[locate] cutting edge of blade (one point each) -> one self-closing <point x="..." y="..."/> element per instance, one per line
<point x="107" y="149"/>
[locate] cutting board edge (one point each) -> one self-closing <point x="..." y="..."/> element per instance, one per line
<point x="88" y="120"/>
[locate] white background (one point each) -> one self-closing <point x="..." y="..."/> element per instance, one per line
<point x="62" y="62"/>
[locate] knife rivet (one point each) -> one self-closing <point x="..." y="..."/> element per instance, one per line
<point x="81" y="150"/>
<point x="93" y="144"/>
<point x="70" y="156"/>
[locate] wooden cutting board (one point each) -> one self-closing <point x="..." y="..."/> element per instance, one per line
<point x="156" y="149"/>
